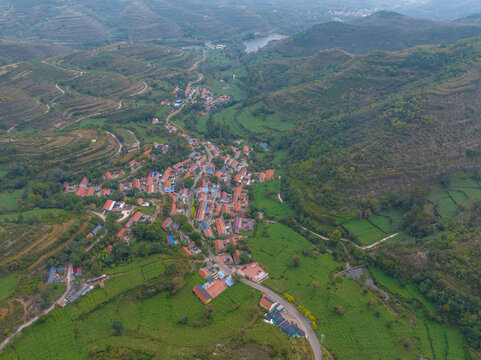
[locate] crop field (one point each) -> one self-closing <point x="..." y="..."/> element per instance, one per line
<point x="266" y="200"/>
<point x="244" y="121"/>
<point x="459" y="191"/>
<point x="150" y="325"/>
<point x="218" y="59"/>
<point x="362" y="331"/>
<point x="364" y="231"/>
<point x="410" y="291"/>
<point x="8" y="199"/>
<point x="76" y="149"/>
<point x="44" y="215"/>
<point x="28" y="243"/>
<point x="31" y="97"/>
<point x="388" y="221"/>
<point x="7" y="286"/>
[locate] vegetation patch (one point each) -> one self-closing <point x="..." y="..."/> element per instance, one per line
<point x="365" y="231"/>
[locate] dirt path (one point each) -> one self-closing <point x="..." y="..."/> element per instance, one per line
<point x="60" y="89"/>
<point x="118" y="142"/>
<point x="143" y="91"/>
<point x="367" y="247"/>
<point x="36" y="318"/>
<point x="136" y="144"/>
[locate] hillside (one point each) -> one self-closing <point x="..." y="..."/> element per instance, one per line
<point x="15" y="52"/>
<point x="381" y="31"/>
<point x="58" y="91"/>
<point x="86" y="23"/>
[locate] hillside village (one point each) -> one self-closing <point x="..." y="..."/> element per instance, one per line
<point x="195" y="95"/>
<point x="216" y="205"/>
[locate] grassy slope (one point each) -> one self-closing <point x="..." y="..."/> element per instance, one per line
<point x="359" y="332"/>
<point x="151" y="325"/>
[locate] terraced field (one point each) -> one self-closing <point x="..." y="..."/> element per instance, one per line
<point x="151" y="325"/>
<point x="74" y="149"/>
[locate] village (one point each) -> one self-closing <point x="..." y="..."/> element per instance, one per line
<point x="195" y="95"/>
<point x="216" y="205"/>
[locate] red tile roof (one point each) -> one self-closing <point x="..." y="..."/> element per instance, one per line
<point x="219" y="223"/>
<point x="218" y="245"/>
<point x="166" y="223"/>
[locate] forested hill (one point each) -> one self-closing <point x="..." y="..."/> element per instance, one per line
<point x="371" y="124"/>
<point x="381" y="31"/>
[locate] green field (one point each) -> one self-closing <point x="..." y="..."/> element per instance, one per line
<point x="245" y="120"/>
<point x="7" y="285"/>
<point x="362" y="332"/>
<point x="409" y="292"/>
<point x="9" y="199"/>
<point x="389" y="221"/>
<point x="365" y="231"/>
<point x="92" y="121"/>
<point x="459" y="191"/>
<point x="459" y="197"/>
<point x="45" y="215"/>
<point x="266" y="200"/>
<point x="151" y="325"/>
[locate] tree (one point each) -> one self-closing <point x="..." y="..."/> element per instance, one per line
<point x="118" y="327"/>
<point x="335" y="236"/>
<point x="339" y="310"/>
<point x="188" y="182"/>
<point x="208" y="311"/>
<point x="244" y="258"/>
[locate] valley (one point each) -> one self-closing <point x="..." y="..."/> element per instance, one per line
<point x="316" y="197"/>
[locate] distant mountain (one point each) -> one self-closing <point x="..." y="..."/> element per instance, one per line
<point x="15" y="52"/>
<point x="381" y="31"/>
<point x="472" y="19"/>
<point x="92" y="22"/>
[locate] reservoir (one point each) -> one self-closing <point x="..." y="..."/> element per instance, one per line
<point x="255" y="44"/>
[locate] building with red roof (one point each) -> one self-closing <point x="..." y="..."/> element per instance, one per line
<point x="267" y="303"/>
<point x="262" y="177"/>
<point x="270" y="175"/>
<point x="253" y="271"/>
<point x="109" y="204"/>
<point x="84" y="182"/>
<point x="219" y="245"/>
<point x="219" y="223"/>
<point x="166" y="223"/>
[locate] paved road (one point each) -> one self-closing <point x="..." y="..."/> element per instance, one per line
<point x="310" y="334"/>
<point x="301" y="319"/>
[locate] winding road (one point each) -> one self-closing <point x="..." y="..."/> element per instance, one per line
<point x="144" y="90"/>
<point x="118" y="142"/>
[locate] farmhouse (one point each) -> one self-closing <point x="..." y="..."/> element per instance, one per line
<point x="111" y="206"/>
<point x="253" y="271"/>
<point x="267" y="303"/>
<point x="216" y="283"/>
<point x="275" y="317"/>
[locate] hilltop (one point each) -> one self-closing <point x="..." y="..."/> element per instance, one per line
<point x="380" y="31"/>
